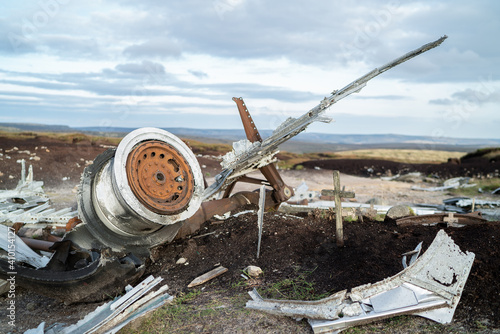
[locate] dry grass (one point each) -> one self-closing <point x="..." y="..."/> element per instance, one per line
<point x="288" y="160"/>
<point x="199" y="147"/>
<point x="408" y="156"/>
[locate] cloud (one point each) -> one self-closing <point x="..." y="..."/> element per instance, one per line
<point x="471" y="96"/>
<point x="70" y="46"/>
<point x="145" y="67"/>
<point x="381" y="97"/>
<point x="441" y="102"/>
<point x="199" y="74"/>
<point x="478" y="96"/>
<point x="12" y="41"/>
<point x="156" y="47"/>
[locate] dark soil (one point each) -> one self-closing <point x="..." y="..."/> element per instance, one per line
<point x="55" y="160"/>
<point x="294" y="246"/>
<point x="477" y="167"/>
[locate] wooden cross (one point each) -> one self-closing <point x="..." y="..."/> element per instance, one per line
<point x="450" y="220"/>
<point x="338" y="194"/>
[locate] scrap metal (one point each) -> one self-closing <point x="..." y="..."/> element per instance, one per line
<point x="114" y="315"/>
<point x="27" y="194"/>
<point x="22" y="252"/>
<point x="260" y="216"/>
<point x="431" y="287"/>
<point x="473" y="218"/>
<point x="454" y="183"/>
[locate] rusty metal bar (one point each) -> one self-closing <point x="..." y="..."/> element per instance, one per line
<point x="36" y="244"/>
<point x="282" y="192"/>
<point x="253" y="180"/>
<point x="219" y="207"/>
<point x="250" y="129"/>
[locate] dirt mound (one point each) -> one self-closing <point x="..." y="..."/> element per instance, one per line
<point x="294" y="246"/>
<point x="472" y="167"/>
<point x="490" y="153"/>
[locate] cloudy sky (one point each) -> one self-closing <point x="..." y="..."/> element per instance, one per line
<point x="178" y="64"/>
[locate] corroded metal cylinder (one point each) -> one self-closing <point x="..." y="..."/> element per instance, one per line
<point x="139" y="193"/>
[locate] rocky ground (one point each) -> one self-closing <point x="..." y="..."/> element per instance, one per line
<point x="298" y="254"/>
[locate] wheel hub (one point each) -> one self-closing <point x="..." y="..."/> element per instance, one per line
<point x="160" y="177"/>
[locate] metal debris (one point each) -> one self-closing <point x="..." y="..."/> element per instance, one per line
<point x="454" y="183"/>
<point x="414" y="256"/>
<point x="28" y="203"/>
<point x="260" y="216"/>
<point x="21" y="252"/>
<point x="114" y="315"/>
<point x="458" y="220"/>
<point x="39" y="214"/>
<point x="431" y="287"/>
<point x="302" y="193"/>
<point x="27" y="194"/>
<point x="326" y="205"/>
<point x="467" y="202"/>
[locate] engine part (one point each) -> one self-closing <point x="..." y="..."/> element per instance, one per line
<point x="139" y="194"/>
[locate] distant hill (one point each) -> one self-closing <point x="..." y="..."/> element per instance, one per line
<point x="303" y="143"/>
<point x="34" y="127"/>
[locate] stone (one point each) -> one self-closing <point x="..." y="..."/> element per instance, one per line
<point x="31" y="306"/>
<point x="375" y="201"/>
<point x="399" y="211"/>
<point x="253" y="271"/>
<point x="370" y="213"/>
<point x="181" y="260"/>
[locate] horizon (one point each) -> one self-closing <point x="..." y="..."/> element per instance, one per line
<point x="98" y="129"/>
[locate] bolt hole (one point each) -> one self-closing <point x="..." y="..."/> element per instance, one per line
<point x="160" y="177"/>
<point x="138" y="162"/>
<point x="174" y="164"/>
<point x="145" y="156"/>
<point x="153" y="154"/>
<point x="179" y="188"/>
<point x="162" y="156"/>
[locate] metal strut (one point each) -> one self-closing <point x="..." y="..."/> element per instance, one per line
<point x="281" y="191"/>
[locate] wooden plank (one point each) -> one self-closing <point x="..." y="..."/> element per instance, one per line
<point x="343" y="194"/>
<point x="208" y="276"/>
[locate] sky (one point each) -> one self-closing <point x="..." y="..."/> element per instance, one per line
<point x="179" y="63"/>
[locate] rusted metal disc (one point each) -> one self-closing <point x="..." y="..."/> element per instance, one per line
<point x="160" y="177"/>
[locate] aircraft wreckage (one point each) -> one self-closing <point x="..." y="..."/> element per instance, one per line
<point x="150" y="190"/>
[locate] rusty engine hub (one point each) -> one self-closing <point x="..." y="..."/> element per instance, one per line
<point x="160" y="177"/>
<point x="140" y="193"/>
